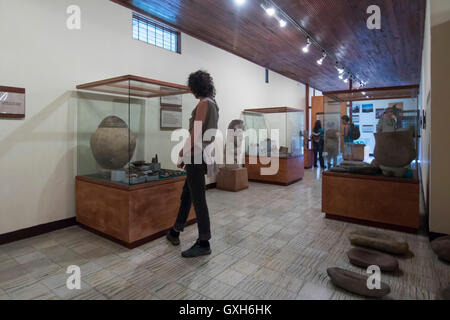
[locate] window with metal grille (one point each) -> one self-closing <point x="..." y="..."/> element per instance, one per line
<point x="156" y="34"/>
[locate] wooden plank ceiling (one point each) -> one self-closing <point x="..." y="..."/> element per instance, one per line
<point x="388" y="57"/>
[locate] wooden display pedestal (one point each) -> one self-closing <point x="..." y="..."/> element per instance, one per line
<point x="385" y="202"/>
<point x="129" y="215"/>
<point x="291" y="170"/>
<point x="232" y="179"/>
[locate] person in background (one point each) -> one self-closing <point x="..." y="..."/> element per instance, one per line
<point x="348" y="141"/>
<point x="332" y="144"/>
<point x="207" y="113"/>
<point x="317" y="137"/>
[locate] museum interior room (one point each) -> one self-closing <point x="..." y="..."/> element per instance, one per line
<point x="325" y="175"/>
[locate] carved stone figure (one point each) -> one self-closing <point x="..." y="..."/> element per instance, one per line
<point x="235" y="140"/>
<point x="113" y="144"/>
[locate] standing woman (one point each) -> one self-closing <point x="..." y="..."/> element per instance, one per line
<point x="318" y="143"/>
<point x="206" y="117"/>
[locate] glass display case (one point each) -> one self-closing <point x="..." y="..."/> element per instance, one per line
<point x="275" y="133"/>
<point x="122" y="136"/>
<point x="127" y="186"/>
<point x="378" y="114"/>
<point x="383" y="179"/>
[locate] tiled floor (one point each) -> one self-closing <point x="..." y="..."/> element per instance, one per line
<point x="269" y="242"/>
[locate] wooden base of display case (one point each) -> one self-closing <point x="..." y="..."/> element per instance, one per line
<point x="391" y="203"/>
<point x="309" y="159"/>
<point x="129" y="215"/>
<point x="233" y="180"/>
<point x="290" y="170"/>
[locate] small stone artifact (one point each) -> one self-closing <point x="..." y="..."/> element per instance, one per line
<point x="356" y="167"/>
<point x="113" y="144"/>
<point x="378" y="241"/>
<point x="445" y="293"/>
<point x="441" y="246"/>
<point x="395" y="149"/>
<point x="364" y="258"/>
<point x="356" y="283"/>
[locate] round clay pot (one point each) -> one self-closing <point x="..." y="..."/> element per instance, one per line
<point x="113" y="144"/>
<point x="395" y="149"/>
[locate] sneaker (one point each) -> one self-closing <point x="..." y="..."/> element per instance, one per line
<point x="196" y="251"/>
<point x="173" y="240"/>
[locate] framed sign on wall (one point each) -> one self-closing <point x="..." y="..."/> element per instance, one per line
<point x="12" y="102"/>
<point x="171" y="118"/>
<point x="171" y="100"/>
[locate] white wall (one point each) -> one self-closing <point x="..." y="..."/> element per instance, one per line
<point x="425" y="105"/>
<point x="370" y="118"/>
<point x="440" y="114"/>
<point x="38" y="52"/>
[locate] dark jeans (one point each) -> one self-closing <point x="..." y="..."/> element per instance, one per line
<point x="318" y="151"/>
<point x="194" y="193"/>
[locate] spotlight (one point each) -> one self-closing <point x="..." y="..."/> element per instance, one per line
<point x="363" y="93"/>
<point x="320" y="61"/>
<point x="347" y="78"/>
<point x="270" y="11"/>
<point x="239" y="2"/>
<point x="341" y="76"/>
<point x="283" y="23"/>
<point x="308" y="44"/>
<point x="339" y="68"/>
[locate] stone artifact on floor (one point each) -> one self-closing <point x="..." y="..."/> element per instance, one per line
<point x="356" y="283"/>
<point x="441" y="246"/>
<point x="364" y="258"/>
<point x="378" y="241"/>
<point x="113" y="144"/>
<point x="445" y="293"/>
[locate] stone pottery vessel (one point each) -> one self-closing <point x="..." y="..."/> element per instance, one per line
<point x="113" y="144"/>
<point x="356" y="283"/>
<point x="395" y="149"/>
<point x="441" y="246"/>
<point x="378" y="241"/>
<point x="364" y="258"/>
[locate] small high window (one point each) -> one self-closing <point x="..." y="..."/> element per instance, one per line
<point x="156" y="34"/>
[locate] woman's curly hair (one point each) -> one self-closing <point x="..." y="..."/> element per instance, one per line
<point x="201" y="84"/>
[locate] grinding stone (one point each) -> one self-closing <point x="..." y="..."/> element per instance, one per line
<point x="445" y="293"/>
<point x="356" y="283"/>
<point x="378" y="241"/>
<point x="441" y="246"/>
<point x="364" y="258"/>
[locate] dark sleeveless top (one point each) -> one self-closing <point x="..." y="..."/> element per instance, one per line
<point x="211" y="121"/>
